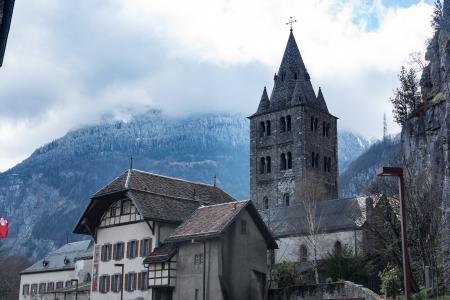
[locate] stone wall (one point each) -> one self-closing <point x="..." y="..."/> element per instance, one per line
<point x="338" y="290"/>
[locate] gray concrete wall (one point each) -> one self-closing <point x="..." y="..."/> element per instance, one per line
<point x="230" y="265"/>
<point x="340" y="290"/>
<point x="242" y="255"/>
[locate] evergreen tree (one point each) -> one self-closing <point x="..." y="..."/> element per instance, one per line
<point x="407" y="97"/>
<point x="436" y="18"/>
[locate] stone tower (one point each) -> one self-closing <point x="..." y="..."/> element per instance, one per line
<point x="292" y="136"/>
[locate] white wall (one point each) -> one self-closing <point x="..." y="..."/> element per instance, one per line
<point x="289" y="247"/>
<point x="122" y="233"/>
<point x="84" y="266"/>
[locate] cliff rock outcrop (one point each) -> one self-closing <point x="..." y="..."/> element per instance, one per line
<point x="425" y="136"/>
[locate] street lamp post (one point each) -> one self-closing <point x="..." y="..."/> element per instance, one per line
<point x="121" y="279"/>
<point x="398" y="172"/>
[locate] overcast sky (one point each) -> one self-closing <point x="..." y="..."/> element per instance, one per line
<point x="70" y="63"/>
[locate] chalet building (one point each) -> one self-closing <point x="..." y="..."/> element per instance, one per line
<point x="63" y="274"/>
<point x="158" y="237"/>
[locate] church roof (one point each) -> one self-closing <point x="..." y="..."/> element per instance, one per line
<point x="331" y="215"/>
<point x="264" y="104"/>
<point x="55" y="260"/>
<point x="211" y="221"/>
<point x="292" y="83"/>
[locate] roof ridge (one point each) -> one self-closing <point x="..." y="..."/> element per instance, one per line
<point x="175" y="178"/>
<point x="175" y="197"/>
<point x="226" y="203"/>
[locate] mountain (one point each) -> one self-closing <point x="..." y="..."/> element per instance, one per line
<point x="350" y="146"/>
<point x="45" y="194"/>
<point x="362" y="171"/>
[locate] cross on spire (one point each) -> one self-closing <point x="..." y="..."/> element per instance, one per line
<point x="291" y="22"/>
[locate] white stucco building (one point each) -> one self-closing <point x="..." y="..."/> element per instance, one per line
<point x="63" y="274"/>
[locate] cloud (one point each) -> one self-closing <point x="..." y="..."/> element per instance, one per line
<point x="70" y="63"/>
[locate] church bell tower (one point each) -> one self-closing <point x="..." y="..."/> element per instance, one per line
<point x="292" y="137"/>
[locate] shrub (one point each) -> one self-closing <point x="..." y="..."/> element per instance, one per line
<point x="390" y="281"/>
<point x="342" y="264"/>
<point x="286" y="274"/>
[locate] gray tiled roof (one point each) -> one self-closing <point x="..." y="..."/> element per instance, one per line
<point x="331" y="215"/>
<point x="210" y="221"/>
<point x="292" y="85"/>
<point x="167" y="186"/>
<point x="162" y="253"/>
<point x="55" y="260"/>
<point x="156" y="207"/>
<point x="157" y="198"/>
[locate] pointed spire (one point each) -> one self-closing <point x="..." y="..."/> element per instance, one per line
<point x="264" y="104"/>
<point x="321" y="100"/>
<point x="292" y="76"/>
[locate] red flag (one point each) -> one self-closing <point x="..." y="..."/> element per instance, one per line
<point x="3" y="228"/>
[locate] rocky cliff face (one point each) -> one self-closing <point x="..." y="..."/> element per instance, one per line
<point x="426" y="135"/>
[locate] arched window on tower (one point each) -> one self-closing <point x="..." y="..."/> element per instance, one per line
<point x="295" y="75"/>
<point x="282" y="124"/>
<point x="325" y="163"/>
<point x="327" y="130"/>
<point x="324" y="128"/>
<point x="288" y="123"/>
<point x="262" y="129"/>
<point x="312" y="123"/>
<point x="317" y="160"/>
<point x="289" y="160"/>
<point x="313" y="160"/>
<point x="283" y="161"/>
<point x="268" y="164"/>
<point x="262" y="165"/>
<point x="316" y="124"/>
<point x="268" y="127"/>
<point x="286" y="199"/>
<point x="303" y="253"/>
<point x="266" y="203"/>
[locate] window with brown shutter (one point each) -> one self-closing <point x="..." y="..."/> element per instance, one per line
<point x="118" y="250"/>
<point x="145" y="246"/>
<point x="132" y="249"/>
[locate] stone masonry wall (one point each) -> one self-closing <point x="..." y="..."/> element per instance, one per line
<point x="339" y="290"/>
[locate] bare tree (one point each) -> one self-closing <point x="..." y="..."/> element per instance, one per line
<point x="309" y="192"/>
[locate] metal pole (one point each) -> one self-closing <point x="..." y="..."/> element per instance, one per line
<point x="121" y="283"/>
<point x="204" y="270"/>
<point x="405" y="256"/>
<point x="76" y="291"/>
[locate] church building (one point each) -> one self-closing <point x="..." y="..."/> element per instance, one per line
<point x="293" y="162"/>
<point x="292" y="137"/>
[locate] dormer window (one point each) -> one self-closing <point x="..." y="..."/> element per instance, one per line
<point x="66" y="261"/>
<point x="45" y="263"/>
<point x="126" y="207"/>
